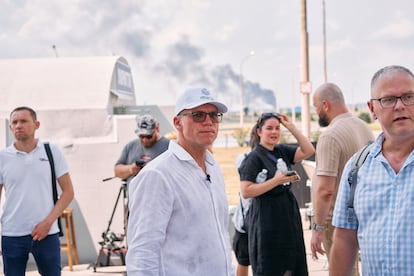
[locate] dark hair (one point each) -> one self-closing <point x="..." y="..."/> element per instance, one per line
<point x="254" y="138"/>
<point x="388" y="69"/>
<point x="31" y="111"/>
<point x="264" y="117"/>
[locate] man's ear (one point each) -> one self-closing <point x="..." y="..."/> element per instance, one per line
<point x="326" y="105"/>
<point x="371" y="108"/>
<point x="177" y="122"/>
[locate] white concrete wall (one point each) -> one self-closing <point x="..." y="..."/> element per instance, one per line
<point x="3" y="132"/>
<point x="90" y="160"/>
<point x="89" y="164"/>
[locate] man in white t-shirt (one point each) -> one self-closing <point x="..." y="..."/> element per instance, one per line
<point x="29" y="219"/>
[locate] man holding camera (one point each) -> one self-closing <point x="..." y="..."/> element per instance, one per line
<point x="139" y="151"/>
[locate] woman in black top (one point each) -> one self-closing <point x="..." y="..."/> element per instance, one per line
<point x="274" y="227"/>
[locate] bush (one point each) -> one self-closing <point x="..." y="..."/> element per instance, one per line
<point x="240" y="134"/>
<point x="365" y="117"/>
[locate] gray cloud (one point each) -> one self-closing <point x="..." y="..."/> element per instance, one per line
<point x="171" y="44"/>
<point x="136" y="42"/>
<point x="184" y="60"/>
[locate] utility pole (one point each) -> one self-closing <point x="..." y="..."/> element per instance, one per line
<point x="305" y="85"/>
<point x="325" y="69"/>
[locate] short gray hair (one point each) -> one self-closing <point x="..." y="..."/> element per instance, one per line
<point x="388" y="69"/>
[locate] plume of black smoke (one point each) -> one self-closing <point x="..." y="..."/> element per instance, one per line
<point x="184" y="65"/>
<point x="254" y="96"/>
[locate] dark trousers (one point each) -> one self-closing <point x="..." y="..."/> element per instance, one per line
<point x="46" y="253"/>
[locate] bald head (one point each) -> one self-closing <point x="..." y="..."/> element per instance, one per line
<point x="330" y="92"/>
<point x="329" y="102"/>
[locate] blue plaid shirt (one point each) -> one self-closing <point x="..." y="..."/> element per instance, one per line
<point x="384" y="208"/>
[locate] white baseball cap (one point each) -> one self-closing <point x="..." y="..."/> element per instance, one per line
<point x="194" y="97"/>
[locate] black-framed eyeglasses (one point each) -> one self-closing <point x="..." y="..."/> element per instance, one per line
<point x="391" y="101"/>
<point x="200" y="116"/>
<point x="266" y="116"/>
<point x="149" y="136"/>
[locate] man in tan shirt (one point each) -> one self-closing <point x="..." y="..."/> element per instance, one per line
<point x="344" y="135"/>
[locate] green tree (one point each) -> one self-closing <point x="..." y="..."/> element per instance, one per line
<point x="246" y="111"/>
<point x="365" y="117"/>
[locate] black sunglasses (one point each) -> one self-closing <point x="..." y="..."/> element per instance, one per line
<point x="149" y="136"/>
<point x="200" y="116"/>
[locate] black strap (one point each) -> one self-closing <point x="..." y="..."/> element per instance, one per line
<point x="358" y="161"/>
<point x="274" y="159"/>
<point x="271" y="157"/>
<point x="54" y="189"/>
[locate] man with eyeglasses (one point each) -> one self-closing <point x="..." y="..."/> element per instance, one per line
<point x="178" y="204"/>
<point x="139" y="151"/>
<point x="383" y="225"/>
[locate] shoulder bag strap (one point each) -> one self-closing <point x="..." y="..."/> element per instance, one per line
<point x="54" y="189"/>
<point x="358" y="161"/>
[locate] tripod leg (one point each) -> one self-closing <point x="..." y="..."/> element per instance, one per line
<point x="105" y="234"/>
<point x="122" y="255"/>
<point x="126" y="210"/>
<point x="108" y="258"/>
<point x="113" y="211"/>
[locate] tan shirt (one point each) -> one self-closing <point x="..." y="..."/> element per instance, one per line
<point x="341" y="139"/>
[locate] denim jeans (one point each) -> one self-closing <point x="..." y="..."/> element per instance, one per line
<point x="45" y="252"/>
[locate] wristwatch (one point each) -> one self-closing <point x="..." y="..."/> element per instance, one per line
<point x="317" y="227"/>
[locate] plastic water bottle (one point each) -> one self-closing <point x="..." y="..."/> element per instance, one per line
<point x="261" y="176"/>
<point x="282" y="167"/>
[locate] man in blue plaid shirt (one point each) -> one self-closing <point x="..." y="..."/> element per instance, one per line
<point x="383" y="224"/>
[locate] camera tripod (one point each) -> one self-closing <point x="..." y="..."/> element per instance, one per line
<point x="113" y="244"/>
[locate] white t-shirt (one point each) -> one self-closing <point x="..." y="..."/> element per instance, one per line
<point x="27" y="182"/>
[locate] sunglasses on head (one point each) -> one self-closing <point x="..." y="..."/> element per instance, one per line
<point x="149" y="136"/>
<point x="266" y="116"/>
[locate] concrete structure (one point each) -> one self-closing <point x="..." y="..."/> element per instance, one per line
<point x="87" y="107"/>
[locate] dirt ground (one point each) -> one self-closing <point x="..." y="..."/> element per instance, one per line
<point x="226" y="157"/>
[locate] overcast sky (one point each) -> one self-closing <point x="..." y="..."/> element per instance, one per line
<point x="174" y="44"/>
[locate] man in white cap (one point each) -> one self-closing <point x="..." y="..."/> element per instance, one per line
<point x="178" y="204"/>
<point x="139" y="151"/>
